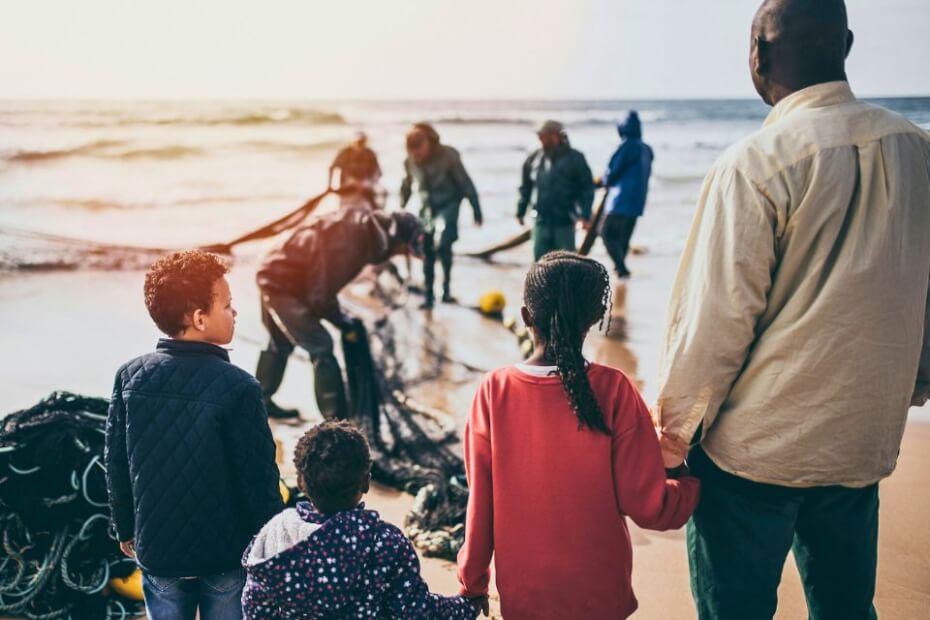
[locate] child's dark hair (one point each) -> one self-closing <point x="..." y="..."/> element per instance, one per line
<point x="566" y="294"/>
<point x="333" y="463"/>
<point x="178" y="284"/>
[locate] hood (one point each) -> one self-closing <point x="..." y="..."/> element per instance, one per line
<point x="631" y="127"/>
<point x="315" y="551"/>
<point x="283" y="532"/>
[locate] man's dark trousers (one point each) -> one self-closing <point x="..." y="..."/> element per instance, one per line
<point x="741" y="532"/>
<point x="616" y="232"/>
<point x="291" y="323"/>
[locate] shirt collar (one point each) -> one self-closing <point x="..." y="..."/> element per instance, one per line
<point x="816" y="96"/>
<point x="171" y="345"/>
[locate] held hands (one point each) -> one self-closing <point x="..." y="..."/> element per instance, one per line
<point x="128" y="548"/>
<point x="674" y="449"/>
<point x="481" y="604"/>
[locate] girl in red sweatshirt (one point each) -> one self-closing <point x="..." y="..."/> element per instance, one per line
<point x="558" y="453"/>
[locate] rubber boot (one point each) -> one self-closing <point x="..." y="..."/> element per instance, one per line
<point x="270" y="373"/>
<point x="445" y="257"/>
<point x="329" y="388"/>
<point x="429" y="279"/>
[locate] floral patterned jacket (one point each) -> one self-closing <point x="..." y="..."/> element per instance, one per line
<point x="304" y="565"/>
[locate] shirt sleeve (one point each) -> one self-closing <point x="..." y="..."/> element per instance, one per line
<point x="526" y="186"/>
<point x="467" y="186"/>
<point x="922" y="387"/>
<point x="406" y="186"/>
<point x="474" y="559"/>
<point x="719" y="293"/>
<point x="408" y="596"/>
<point x="643" y="490"/>
<point x="585" y="184"/>
<point x="250" y="452"/>
<point x="116" y="458"/>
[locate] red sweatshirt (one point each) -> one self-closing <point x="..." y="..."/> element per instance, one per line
<point x="549" y="500"/>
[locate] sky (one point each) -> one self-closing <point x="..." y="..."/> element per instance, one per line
<point x="422" y="49"/>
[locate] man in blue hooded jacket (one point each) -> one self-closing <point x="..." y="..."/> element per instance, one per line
<point x="627" y="180"/>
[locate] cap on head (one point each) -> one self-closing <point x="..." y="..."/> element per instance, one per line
<point x="550" y="127"/>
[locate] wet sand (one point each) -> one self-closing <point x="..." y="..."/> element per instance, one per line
<point x="72" y="330"/>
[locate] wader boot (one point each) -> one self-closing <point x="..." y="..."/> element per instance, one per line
<point x="270" y="373"/>
<point x="429" y="277"/>
<point x="329" y="388"/>
<point x="445" y="258"/>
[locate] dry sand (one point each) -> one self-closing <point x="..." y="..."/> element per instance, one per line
<point x="72" y="330"/>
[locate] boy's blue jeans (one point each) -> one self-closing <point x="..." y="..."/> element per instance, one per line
<point x="219" y="597"/>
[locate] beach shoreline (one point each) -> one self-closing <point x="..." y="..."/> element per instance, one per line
<point x="104" y="324"/>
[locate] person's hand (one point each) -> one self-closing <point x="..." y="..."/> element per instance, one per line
<point x="481" y="604"/>
<point x="585" y="224"/>
<point x="674" y="449"/>
<point x="128" y="547"/>
<point x="479" y="223"/>
<point x="520" y="220"/>
<point x="598" y="182"/>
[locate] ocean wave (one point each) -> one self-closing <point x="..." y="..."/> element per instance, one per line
<point x="106" y="149"/>
<point x="108" y="204"/>
<point x="84" y="149"/>
<point x="294" y="147"/>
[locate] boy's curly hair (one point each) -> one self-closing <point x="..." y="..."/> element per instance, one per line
<point x="333" y="462"/>
<point x="178" y="284"/>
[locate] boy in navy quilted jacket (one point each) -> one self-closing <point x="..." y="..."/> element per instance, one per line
<point x="334" y="559"/>
<point x="190" y="460"/>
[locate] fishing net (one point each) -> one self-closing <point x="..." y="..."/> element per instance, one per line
<point x="59" y="553"/>
<point x="410" y="443"/>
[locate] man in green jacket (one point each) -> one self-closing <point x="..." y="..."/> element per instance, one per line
<point x="559" y="186"/>
<point x="435" y="173"/>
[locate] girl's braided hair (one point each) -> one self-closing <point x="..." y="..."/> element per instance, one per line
<point x="566" y="294"/>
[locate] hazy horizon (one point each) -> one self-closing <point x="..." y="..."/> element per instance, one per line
<point x="423" y="50"/>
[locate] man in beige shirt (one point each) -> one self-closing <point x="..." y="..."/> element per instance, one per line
<point x="797" y="332"/>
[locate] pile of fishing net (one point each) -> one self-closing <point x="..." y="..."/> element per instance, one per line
<point x="59" y="554"/>
<point x="410" y="443"/>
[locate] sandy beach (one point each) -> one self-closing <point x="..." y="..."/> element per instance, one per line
<point x="77" y="345"/>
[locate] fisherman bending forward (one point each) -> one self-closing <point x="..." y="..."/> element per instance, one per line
<point x="300" y="283"/>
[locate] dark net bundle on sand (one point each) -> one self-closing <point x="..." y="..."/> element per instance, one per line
<point x="410" y="443"/>
<point x="59" y="553"/>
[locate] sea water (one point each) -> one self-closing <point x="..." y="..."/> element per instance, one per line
<point x="179" y="174"/>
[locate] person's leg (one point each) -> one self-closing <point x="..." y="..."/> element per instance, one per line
<point x="271" y="364"/>
<point x="221" y="596"/>
<point x="169" y="598"/>
<point x="306" y="330"/>
<point x="446" y="240"/>
<point x="542" y="240"/>
<point x="738" y="539"/>
<point x="836" y="549"/>
<point x="624" y="234"/>
<point x="564" y="238"/>
<point x="429" y="270"/>
<point x="611" y="234"/>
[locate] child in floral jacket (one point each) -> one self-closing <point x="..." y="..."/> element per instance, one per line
<point x="334" y="559"/>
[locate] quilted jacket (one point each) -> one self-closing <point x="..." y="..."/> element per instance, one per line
<point x="190" y="459"/>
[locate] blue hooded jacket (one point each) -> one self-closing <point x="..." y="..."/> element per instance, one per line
<point x="627" y="175"/>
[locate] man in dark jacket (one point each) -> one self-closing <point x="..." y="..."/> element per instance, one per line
<point x="300" y="283"/>
<point x="357" y="164"/>
<point x="627" y="180"/>
<point x="435" y="173"/>
<point x="190" y="460"/>
<point x="558" y="185"/>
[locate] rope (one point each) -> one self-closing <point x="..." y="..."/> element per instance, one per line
<point x="285" y="222"/>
